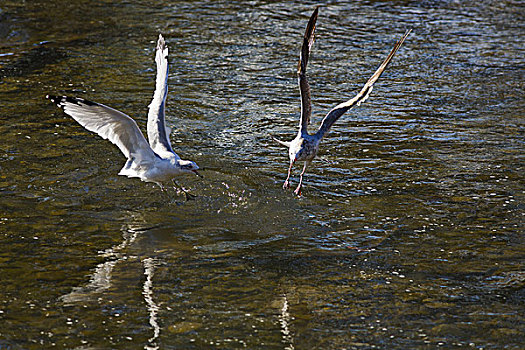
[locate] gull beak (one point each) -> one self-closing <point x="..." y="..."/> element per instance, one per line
<point x="197" y="173"/>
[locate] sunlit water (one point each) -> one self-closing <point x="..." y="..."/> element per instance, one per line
<point x="410" y="230"/>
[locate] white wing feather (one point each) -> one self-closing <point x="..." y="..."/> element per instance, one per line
<point x="109" y="124"/>
<point x="158" y="132"/>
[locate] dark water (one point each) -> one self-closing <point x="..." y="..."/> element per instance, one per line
<point x="410" y="231"/>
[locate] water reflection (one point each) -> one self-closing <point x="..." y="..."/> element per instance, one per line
<point x="409" y="234"/>
<point x="284" y="319"/>
<point x="147" y="291"/>
<point x="100" y="280"/>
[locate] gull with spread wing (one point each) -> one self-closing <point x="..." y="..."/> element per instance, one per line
<point x="154" y="162"/>
<point x="305" y="146"/>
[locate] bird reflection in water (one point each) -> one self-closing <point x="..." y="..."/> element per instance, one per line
<point x="101" y="279"/>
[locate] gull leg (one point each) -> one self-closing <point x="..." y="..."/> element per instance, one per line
<point x="298" y="189"/>
<point x="287" y="181"/>
<point x="162" y="188"/>
<point x="186" y="194"/>
<point x="164" y="191"/>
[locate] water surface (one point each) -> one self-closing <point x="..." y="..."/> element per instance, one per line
<point x="410" y="230"/>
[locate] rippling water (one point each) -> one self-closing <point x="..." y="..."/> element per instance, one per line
<point x="410" y="230"/>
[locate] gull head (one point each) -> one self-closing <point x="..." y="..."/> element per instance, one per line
<point x="188" y="166"/>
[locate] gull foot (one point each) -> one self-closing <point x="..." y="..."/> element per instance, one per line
<point x="298" y="190"/>
<point x="189" y="196"/>
<point x="180" y="189"/>
<point x="286" y="185"/>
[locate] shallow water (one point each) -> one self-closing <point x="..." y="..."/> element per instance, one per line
<point x="409" y="233"/>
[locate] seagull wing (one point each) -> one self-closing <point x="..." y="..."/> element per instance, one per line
<point x="304" y="86"/>
<point x="110" y="124"/>
<point x="158" y="132"/>
<point x="340" y="109"/>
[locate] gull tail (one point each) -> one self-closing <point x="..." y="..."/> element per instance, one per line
<point x="285" y="144"/>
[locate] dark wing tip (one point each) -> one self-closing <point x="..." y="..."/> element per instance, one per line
<point x="316" y="11"/>
<point x="310" y="28"/>
<point x="60" y="101"/>
<point x="402" y="40"/>
<point x="308" y="41"/>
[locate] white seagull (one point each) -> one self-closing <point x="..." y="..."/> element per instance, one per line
<point x="154" y="162"/>
<point x="305" y="146"/>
